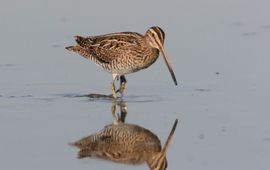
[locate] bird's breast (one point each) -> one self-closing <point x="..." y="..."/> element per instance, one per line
<point x="133" y="61"/>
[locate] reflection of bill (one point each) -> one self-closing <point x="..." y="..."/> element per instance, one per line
<point x="126" y="143"/>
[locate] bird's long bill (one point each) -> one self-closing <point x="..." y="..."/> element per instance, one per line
<point x="159" y="161"/>
<point x="166" y="59"/>
<point x="165" y="147"/>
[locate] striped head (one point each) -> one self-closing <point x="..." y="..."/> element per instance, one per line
<point x="155" y="37"/>
<point x="158" y="162"/>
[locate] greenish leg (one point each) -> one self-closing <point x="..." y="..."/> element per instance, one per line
<point x="123" y="82"/>
<point x="113" y="86"/>
<point x="113" y="90"/>
<point x="113" y="108"/>
<point x="123" y="109"/>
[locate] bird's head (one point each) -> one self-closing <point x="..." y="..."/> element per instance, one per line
<point x="155" y="37"/>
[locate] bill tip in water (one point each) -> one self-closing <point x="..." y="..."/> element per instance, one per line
<point x="175" y="82"/>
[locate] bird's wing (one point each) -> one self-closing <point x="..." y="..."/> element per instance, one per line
<point x="108" y="47"/>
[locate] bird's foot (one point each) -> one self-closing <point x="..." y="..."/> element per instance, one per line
<point x="122" y="87"/>
<point x="121" y="91"/>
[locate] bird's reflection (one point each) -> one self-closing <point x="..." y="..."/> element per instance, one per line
<point x="125" y="143"/>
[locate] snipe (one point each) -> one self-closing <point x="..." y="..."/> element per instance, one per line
<point x="126" y="143"/>
<point x="123" y="53"/>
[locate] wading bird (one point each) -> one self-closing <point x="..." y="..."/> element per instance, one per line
<point x="126" y="143"/>
<point x="123" y="53"/>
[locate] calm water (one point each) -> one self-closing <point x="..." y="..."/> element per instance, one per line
<point x="220" y="55"/>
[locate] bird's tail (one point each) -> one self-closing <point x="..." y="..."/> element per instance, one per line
<point x="78" y="49"/>
<point x="73" y="48"/>
<point x="83" y="42"/>
<point x="82" y="46"/>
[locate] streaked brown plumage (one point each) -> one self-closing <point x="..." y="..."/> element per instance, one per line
<point x="123" y="53"/>
<point x="126" y="143"/>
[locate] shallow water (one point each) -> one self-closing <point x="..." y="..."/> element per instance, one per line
<point x="220" y="55"/>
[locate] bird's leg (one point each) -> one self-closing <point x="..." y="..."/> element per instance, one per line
<point x="113" y="86"/>
<point x="123" y="82"/>
<point x="113" y="90"/>
<point x="113" y="108"/>
<point x="123" y="109"/>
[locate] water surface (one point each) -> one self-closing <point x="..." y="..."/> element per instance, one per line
<point x="220" y="54"/>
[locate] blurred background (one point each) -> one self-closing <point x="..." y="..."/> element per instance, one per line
<point x="220" y="54"/>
